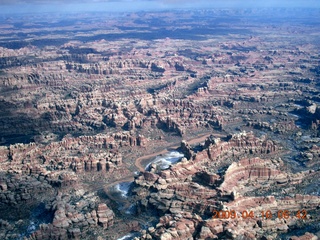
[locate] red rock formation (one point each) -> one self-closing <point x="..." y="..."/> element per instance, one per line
<point x="105" y="216"/>
<point x="189" y="188"/>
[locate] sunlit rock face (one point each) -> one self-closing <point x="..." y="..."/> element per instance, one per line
<point x="190" y="196"/>
<point x="165" y="161"/>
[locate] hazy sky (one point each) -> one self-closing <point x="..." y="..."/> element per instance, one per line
<point x="10" y="6"/>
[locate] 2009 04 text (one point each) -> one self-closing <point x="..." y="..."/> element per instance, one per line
<point x="232" y="214"/>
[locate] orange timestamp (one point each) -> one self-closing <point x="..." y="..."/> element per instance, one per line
<point x="281" y="214"/>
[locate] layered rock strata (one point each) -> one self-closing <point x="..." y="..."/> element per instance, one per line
<point x="190" y="194"/>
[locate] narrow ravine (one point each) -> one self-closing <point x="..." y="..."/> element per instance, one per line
<point x="119" y="191"/>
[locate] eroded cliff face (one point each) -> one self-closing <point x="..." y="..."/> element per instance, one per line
<point x="81" y="107"/>
<point x="190" y="194"/>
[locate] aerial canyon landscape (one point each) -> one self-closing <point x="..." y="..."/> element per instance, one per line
<point x="174" y="124"/>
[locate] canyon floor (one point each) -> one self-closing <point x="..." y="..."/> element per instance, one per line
<point x="88" y="101"/>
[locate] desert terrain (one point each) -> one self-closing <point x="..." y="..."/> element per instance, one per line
<point x="185" y="124"/>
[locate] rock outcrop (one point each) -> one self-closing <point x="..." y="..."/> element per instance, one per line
<point x="187" y="193"/>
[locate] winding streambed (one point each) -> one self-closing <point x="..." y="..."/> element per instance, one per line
<point x="119" y="191"/>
